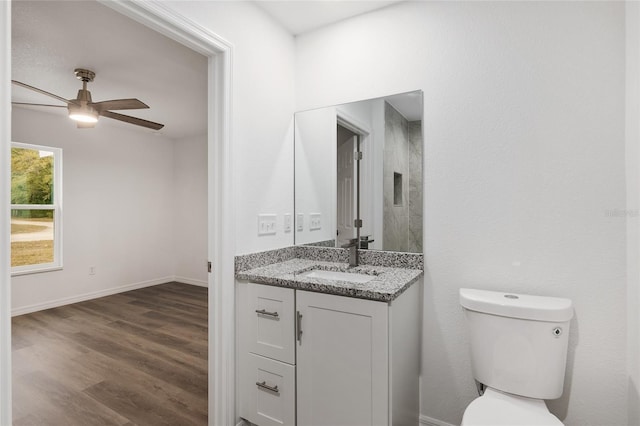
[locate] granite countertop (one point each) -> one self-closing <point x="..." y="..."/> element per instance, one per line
<point x="387" y="285"/>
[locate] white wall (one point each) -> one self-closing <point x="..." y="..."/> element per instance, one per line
<point x="190" y="209"/>
<point x="524" y="158"/>
<point x="117" y="212"/>
<point x="315" y="174"/>
<point x="262" y="114"/>
<point x="633" y="192"/>
<point x="135" y="207"/>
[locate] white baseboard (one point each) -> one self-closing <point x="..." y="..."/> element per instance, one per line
<point x="191" y="281"/>
<point x="88" y="296"/>
<point x="429" y="421"/>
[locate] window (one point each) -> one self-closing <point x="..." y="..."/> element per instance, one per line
<point x="36" y="208"/>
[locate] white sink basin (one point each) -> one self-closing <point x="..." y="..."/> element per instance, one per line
<point x="339" y="276"/>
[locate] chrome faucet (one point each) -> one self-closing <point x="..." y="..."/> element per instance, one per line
<point x="352" y="245"/>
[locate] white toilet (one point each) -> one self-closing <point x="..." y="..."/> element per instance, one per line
<point x="518" y="347"/>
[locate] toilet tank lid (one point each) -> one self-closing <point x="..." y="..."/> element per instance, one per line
<point x="512" y="305"/>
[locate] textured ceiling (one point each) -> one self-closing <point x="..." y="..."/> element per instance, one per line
<point x="52" y="38"/>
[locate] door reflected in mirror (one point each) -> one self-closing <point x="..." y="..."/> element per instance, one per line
<point x="361" y="164"/>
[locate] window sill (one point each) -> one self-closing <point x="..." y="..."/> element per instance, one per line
<point x="36" y="270"/>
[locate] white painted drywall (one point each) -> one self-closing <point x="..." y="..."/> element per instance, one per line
<point x="190" y="210"/>
<point x="632" y="134"/>
<point x="262" y="114"/>
<point x="315" y="174"/>
<point x="524" y="159"/>
<point x="117" y="214"/>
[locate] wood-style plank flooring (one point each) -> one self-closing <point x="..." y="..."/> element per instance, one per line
<point x="134" y="358"/>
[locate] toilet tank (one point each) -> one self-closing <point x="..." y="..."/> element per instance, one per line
<point x="518" y="342"/>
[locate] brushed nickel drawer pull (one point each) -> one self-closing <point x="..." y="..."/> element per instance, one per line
<point x="264" y="385"/>
<point x="265" y="312"/>
<point x="299" y="326"/>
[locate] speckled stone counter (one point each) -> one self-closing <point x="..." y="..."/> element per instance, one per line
<point x="284" y="268"/>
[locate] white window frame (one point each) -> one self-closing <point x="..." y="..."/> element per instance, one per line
<point x="57" y="212"/>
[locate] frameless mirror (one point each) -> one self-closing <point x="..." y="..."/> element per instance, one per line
<point x="358" y="174"/>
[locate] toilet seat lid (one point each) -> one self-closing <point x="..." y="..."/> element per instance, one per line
<point x="496" y="408"/>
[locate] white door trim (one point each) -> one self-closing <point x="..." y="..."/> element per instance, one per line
<point x="5" y="198"/>
<point x="367" y="168"/>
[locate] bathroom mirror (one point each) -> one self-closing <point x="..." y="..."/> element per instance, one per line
<point x="362" y="157"/>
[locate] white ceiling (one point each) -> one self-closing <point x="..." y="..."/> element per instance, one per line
<point x="407" y="104"/>
<point x="300" y="16"/>
<point x="52" y="38"/>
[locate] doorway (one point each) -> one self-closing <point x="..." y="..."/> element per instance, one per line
<point x="347" y="191"/>
<point x="220" y="185"/>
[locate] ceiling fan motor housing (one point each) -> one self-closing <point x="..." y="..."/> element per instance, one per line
<point x="84" y="97"/>
<point x="84" y="75"/>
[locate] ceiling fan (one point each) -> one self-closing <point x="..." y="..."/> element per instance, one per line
<point x="85" y="112"/>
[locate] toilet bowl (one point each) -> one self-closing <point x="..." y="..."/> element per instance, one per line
<point x="495" y="408"/>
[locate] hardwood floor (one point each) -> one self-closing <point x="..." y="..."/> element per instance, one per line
<point x="135" y="358"/>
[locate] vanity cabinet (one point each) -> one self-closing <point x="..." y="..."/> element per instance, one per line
<point x="342" y="361"/>
<point x="353" y="362"/>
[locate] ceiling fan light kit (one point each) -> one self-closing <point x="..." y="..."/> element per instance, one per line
<point x="85" y="112"/>
<point x="83" y="115"/>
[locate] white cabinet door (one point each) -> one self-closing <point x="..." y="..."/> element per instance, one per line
<point x="342" y="361"/>
<point x="267" y="321"/>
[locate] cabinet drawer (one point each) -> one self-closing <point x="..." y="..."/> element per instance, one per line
<point x="267" y="391"/>
<point x="269" y="327"/>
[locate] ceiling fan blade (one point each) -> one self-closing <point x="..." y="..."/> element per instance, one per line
<point x="118" y="104"/>
<point x="132" y="120"/>
<point x="44" y="105"/>
<point x="35" y="89"/>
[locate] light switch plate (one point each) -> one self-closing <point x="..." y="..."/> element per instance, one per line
<point x="267" y="224"/>
<point x="315" y="222"/>
<point x="287" y="222"/>
<point x="300" y="222"/>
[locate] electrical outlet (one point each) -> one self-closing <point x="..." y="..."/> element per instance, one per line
<point x="287" y="222"/>
<point x="267" y="224"/>
<point x="315" y="222"/>
<point x="300" y="222"/>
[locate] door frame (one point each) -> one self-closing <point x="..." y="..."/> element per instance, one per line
<point x="220" y="222"/>
<point x="341" y="151"/>
<point x="365" y="193"/>
<point x="5" y="206"/>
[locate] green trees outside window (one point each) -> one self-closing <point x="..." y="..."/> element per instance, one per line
<point x="35" y="217"/>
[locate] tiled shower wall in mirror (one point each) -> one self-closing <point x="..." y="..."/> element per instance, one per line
<point x="402" y="182"/>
